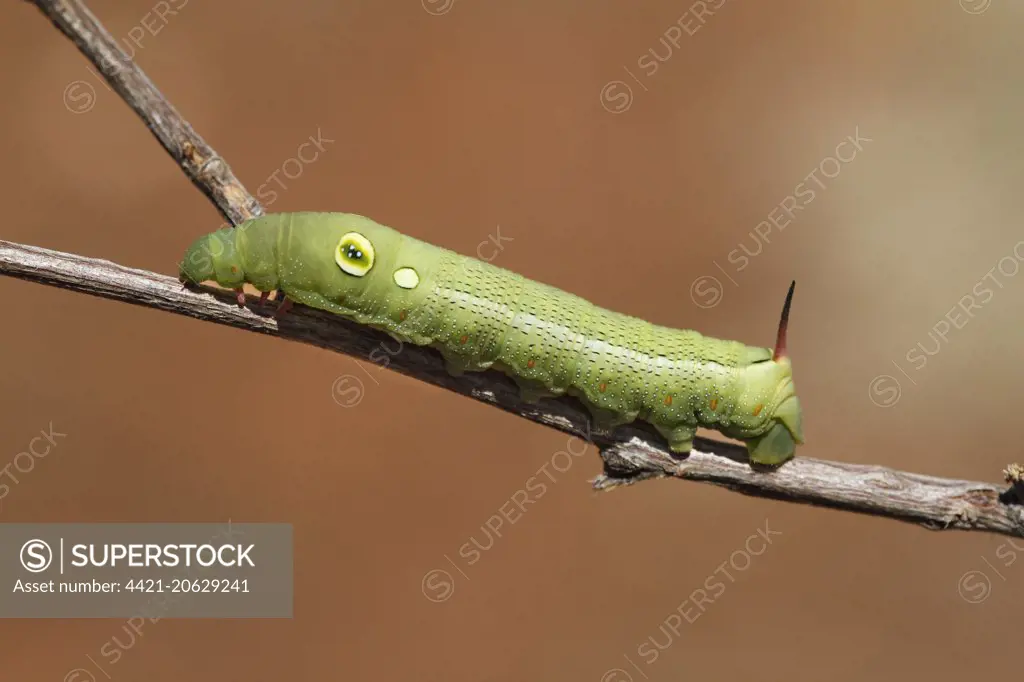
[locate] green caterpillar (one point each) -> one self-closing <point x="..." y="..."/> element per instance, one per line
<point x="480" y="316"/>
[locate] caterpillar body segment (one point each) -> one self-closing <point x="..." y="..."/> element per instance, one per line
<point x="480" y="316"/>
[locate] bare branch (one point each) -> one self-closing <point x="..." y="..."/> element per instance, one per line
<point x="631" y="454"/>
<point x="210" y="173"/>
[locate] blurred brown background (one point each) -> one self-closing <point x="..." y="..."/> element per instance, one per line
<point x="447" y="121"/>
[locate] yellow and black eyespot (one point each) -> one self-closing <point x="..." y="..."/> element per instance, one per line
<point x="354" y="254"/>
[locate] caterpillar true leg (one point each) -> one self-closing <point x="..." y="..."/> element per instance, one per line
<point x="308" y="298"/>
<point x="286" y="305"/>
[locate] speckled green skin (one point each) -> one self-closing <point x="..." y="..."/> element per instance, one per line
<point x="551" y="342"/>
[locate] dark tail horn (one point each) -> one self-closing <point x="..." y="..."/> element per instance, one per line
<point x="780" y="340"/>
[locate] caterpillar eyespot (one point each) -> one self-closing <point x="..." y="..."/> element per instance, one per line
<point x="354" y="254"/>
<point x="613" y="363"/>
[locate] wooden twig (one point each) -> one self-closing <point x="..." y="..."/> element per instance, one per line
<point x="207" y="170"/>
<point x="630" y="454"/>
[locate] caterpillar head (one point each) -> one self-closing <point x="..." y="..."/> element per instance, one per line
<point x="213" y="257"/>
<point x="772" y="380"/>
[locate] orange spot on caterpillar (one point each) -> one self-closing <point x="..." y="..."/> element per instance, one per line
<point x="531" y="363"/>
<point x="668" y="400"/>
<point x="463" y="339"/>
<point x="602" y="387"/>
<point x="401" y="315"/>
<point x="714" y="404"/>
<point x="757" y="410"/>
<point x="234" y="270"/>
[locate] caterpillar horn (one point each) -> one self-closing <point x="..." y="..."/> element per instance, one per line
<point x="780" y="340"/>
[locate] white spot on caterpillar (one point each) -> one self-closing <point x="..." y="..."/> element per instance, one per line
<point x="407" y="278"/>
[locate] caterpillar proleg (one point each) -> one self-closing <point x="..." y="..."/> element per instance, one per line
<point x="550" y="342"/>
